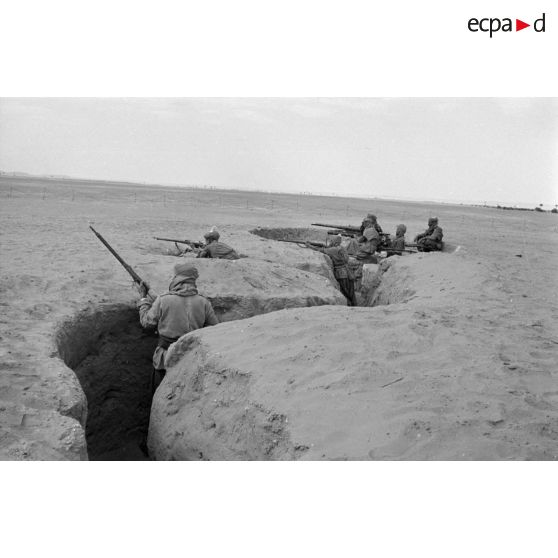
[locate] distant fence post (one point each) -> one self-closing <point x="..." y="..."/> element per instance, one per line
<point x="44" y="193"/>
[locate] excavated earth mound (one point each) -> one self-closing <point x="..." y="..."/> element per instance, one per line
<point x="243" y="288"/>
<point x="261" y="244"/>
<point x="412" y="378"/>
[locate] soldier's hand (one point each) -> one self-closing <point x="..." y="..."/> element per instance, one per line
<point x="142" y="289"/>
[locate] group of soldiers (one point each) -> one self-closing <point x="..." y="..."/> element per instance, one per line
<point x="370" y="245"/>
<point x="182" y="309"/>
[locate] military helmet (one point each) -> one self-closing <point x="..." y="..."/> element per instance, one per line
<point x="211" y="235"/>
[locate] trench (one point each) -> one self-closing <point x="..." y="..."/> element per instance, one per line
<point x="367" y="277"/>
<point x="111" y="355"/>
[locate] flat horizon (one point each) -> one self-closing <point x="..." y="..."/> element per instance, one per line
<point x="349" y="195"/>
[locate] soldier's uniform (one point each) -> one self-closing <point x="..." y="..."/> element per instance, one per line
<point x="397" y="245"/>
<point x="175" y="313"/>
<point x="216" y="249"/>
<point x="431" y="238"/>
<point x="341" y="270"/>
<point x="368" y="244"/>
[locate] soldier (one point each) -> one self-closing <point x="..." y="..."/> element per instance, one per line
<point x="216" y="249"/>
<point x="368" y="244"/>
<point x="397" y="245"/>
<point x="340" y="260"/>
<point x="431" y="238"/>
<point x="174" y="313"/>
<point x="370" y="221"/>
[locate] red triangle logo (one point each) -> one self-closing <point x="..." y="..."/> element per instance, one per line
<point x="519" y="25"/>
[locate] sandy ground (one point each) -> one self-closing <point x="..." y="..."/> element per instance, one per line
<point x="503" y="299"/>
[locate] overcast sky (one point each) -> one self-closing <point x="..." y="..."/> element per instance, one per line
<point x="462" y="150"/>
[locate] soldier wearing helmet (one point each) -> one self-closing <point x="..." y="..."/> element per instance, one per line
<point x="370" y="221"/>
<point x="397" y="245"/>
<point x="216" y="249"/>
<point x="431" y="239"/>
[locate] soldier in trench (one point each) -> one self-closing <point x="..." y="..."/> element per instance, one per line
<point x="397" y="245"/>
<point x="431" y="239"/>
<point x="174" y="313"/>
<point x="216" y="249"/>
<point x="368" y="245"/>
<point x="370" y="221"/>
<point x="341" y="270"/>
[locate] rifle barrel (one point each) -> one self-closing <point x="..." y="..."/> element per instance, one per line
<point x="342" y="227"/>
<point x="137" y="279"/>
<point x="188" y="242"/>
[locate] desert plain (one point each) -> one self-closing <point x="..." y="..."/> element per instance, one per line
<point x="452" y="356"/>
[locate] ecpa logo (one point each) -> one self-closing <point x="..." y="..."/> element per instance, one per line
<point x="494" y="24"/>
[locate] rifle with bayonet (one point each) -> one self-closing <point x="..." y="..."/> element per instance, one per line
<point x="188" y="242"/>
<point x="137" y="279"/>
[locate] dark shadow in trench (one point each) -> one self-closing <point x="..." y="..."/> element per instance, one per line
<point x="111" y="356"/>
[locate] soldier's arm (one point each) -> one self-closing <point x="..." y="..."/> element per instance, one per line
<point x="436" y="235"/>
<point x="149" y="312"/>
<point x="204" y="253"/>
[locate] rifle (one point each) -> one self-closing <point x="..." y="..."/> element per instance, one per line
<point x="342" y="232"/>
<point x="351" y="232"/>
<point x="137" y="279"/>
<point x="395" y="251"/>
<point x="316" y="244"/>
<point x="188" y="242"/>
<point x="346" y="228"/>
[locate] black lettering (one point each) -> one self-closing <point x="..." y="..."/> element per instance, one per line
<point x="480" y="24"/>
<point x="541" y="30"/>
<point x="494" y="29"/>
<point x="506" y="24"/>
<point x="473" y="21"/>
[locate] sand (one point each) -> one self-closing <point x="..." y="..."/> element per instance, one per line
<point x="471" y="334"/>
